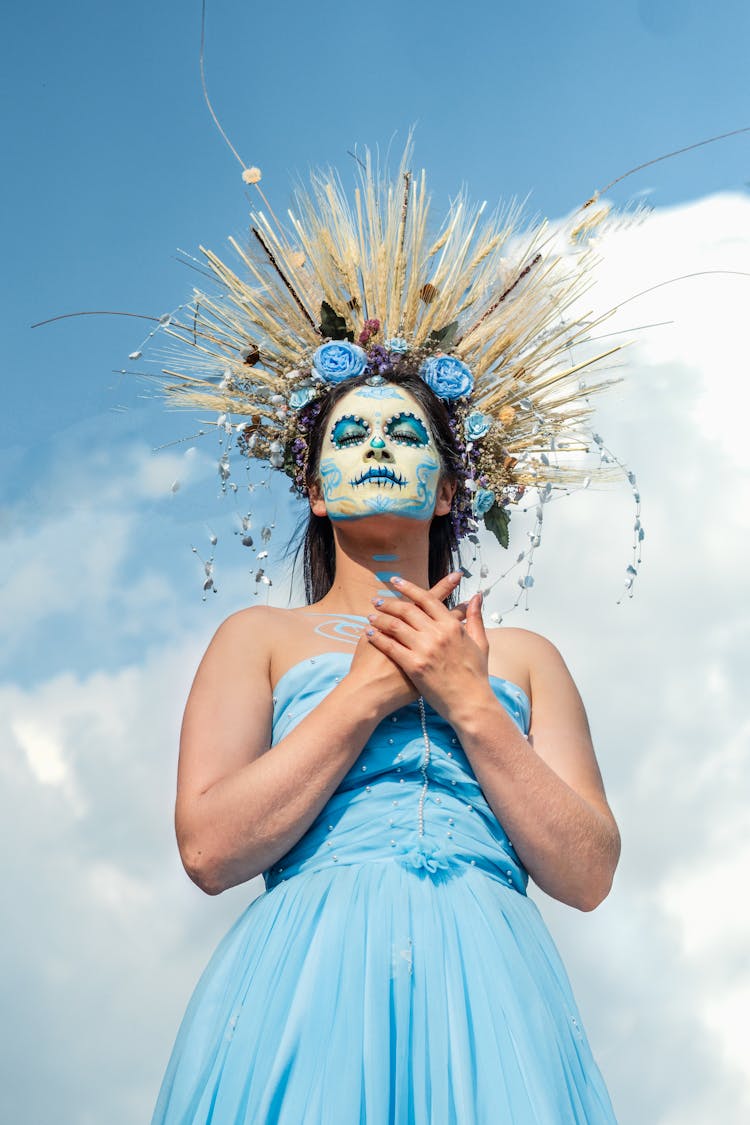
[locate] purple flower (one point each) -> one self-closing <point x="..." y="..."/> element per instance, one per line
<point x="370" y="328"/>
<point x="378" y="360"/>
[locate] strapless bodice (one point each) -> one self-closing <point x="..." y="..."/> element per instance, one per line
<point x="399" y="802"/>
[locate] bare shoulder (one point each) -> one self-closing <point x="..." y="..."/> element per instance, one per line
<point x="250" y="636"/>
<point x="524" y="657"/>
<point x="255" y="621"/>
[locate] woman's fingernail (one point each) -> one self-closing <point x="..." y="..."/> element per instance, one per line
<point x="377" y="602"/>
<point x="369" y="632"/>
<point x="396" y="580"/>
<point x="371" y="617"/>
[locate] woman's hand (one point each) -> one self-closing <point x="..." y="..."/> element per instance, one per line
<point x="443" y="653"/>
<point x="376" y="668"/>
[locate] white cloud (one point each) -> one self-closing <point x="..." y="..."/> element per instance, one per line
<point x="43" y="751"/>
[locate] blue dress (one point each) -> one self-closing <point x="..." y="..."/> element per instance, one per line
<point x="394" y="972"/>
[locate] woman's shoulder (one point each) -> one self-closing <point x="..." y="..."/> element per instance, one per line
<point x="256" y="615"/>
<point x="506" y="638"/>
<point x="254" y="631"/>
<point x="520" y="655"/>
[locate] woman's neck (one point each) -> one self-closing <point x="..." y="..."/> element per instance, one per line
<point x="366" y="562"/>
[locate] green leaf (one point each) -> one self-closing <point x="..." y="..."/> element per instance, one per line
<point x="445" y="335"/>
<point x="496" y="521"/>
<point x="332" y="325"/>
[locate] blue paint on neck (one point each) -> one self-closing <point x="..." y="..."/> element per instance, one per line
<point x="385" y="575"/>
<point x="385" y="558"/>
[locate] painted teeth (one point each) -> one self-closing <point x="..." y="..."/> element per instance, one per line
<point x="382" y="476"/>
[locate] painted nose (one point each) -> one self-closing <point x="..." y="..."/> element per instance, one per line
<point x="378" y="450"/>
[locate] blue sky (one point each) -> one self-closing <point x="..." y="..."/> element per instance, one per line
<point x="111" y="164"/>
<point x="116" y="163"/>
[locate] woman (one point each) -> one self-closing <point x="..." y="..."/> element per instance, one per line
<point x="374" y="753"/>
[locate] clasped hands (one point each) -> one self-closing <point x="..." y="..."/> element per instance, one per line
<point x="441" y="653"/>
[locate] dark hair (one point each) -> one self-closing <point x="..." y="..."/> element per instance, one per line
<point x="316" y="542"/>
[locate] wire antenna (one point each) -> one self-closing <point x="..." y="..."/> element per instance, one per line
<point x="665" y="156"/>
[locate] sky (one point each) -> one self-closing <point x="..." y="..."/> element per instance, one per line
<point x="112" y="164"/>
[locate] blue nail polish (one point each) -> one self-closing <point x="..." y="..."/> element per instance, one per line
<point x="371" y="617"/>
<point x="377" y="601"/>
<point x="396" y="580"/>
<point x="369" y="632"/>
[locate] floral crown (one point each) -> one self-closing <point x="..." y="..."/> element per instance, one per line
<point x="486" y="312"/>
<point x="478" y="464"/>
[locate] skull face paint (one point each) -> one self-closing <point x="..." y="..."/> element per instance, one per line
<point x="379" y="457"/>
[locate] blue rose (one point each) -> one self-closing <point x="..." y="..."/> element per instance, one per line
<point x="447" y="376"/>
<point x="476" y="425"/>
<point x="300" y="396"/>
<point x="398" y="345"/>
<point x="339" y="360"/>
<point x="483" y="500"/>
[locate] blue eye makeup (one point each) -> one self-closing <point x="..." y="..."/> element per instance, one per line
<point x="349" y="430"/>
<point x="406" y="429"/>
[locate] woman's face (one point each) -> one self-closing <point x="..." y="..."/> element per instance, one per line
<point x="378" y="456"/>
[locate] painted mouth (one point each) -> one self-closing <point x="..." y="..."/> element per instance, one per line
<point x="382" y="476"/>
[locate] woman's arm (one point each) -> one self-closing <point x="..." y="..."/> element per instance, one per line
<point x="546" y="791"/>
<point x="242" y="804"/>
